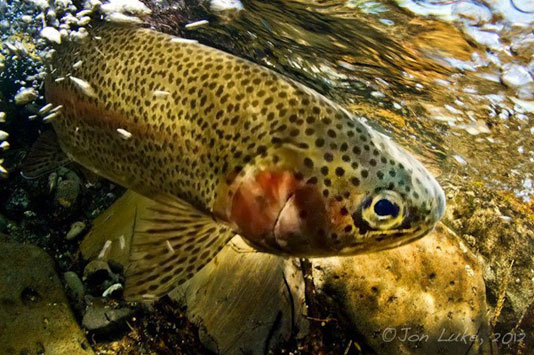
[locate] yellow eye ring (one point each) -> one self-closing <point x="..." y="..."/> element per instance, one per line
<point x="384" y="211"/>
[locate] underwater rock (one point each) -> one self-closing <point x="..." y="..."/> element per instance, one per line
<point x="51" y="34"/>
<point x="74" y="285"/>
<point x="97" y="271"/>
<point x="25" y="95"/>
<point x="413" y="298"/>
<point x="75" y="229"/>
<point x="98" y="277"/>
<point x="102" y="318"/>
<point x="35" y="317"/>
<point x="225" y="5"/>
<point x="515" y="76"/>
<point x="68" y="189"/>
<point x="227" y="10"/>
<point x="133" y="7"/>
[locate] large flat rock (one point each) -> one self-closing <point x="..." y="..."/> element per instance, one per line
<point x="35" y="317"/>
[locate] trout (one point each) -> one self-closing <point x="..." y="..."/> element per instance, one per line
<point x="224" y="146"/>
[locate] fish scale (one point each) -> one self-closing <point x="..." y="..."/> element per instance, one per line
<point x="285" y="167"/>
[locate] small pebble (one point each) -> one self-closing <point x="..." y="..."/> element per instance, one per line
<point x="84" y="21"/>
<point x="51" y="34"/>
<point x="135" y="7"/>
<point x="75" y="229"/>
<point x="4" y="145"/>
<point x="25" y="95"/>
<point x="122" y="18"/>
<point x="225" y="5"/>
<point x="515" y="76"/>
<point x="26" y="19"/>
<point x="97" y="270"/>
<point x="74" y="284"/>
<point x="101" y="318"/>
<point x="42" y="4"/>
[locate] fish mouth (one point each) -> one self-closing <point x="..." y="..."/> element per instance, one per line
<point x="374" y="241"/>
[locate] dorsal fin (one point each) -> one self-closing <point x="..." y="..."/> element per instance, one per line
<point x="171" y="242"/>
<point x="45" y="156"/>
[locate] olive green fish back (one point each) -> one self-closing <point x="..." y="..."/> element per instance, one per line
<point x="193" y="112"/>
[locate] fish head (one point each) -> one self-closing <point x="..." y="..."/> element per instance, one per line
<point x="384" y="199"/>
<point x="357" y="195"/>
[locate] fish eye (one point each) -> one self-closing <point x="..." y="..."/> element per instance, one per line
<point x="384" y="210"/>
<point x="385" y="207"/>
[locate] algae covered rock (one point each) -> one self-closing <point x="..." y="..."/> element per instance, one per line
<point x="35" y="317"/>
<point x="426" y="297"/>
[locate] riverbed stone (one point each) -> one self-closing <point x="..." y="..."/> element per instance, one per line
<point x="412" y="299"/>
<point x="102" y="317"/>
<point x="515" y="75"/>
<point x="35" y="316"/>
<point x="75" y="229"/>
<point x="74" y="285"/>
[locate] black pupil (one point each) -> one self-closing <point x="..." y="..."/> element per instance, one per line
<point x="386" y="208"/>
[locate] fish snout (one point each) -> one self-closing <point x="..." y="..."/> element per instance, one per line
<point x="440" y="205"/>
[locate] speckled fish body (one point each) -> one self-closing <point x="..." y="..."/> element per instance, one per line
<point x="283" y="166"/>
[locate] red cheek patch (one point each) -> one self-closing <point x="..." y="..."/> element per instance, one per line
<point x="258" y="201"/>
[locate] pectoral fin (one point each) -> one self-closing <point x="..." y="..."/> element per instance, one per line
<point x="171" y="242"/>
<point x="45" y="156"/>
